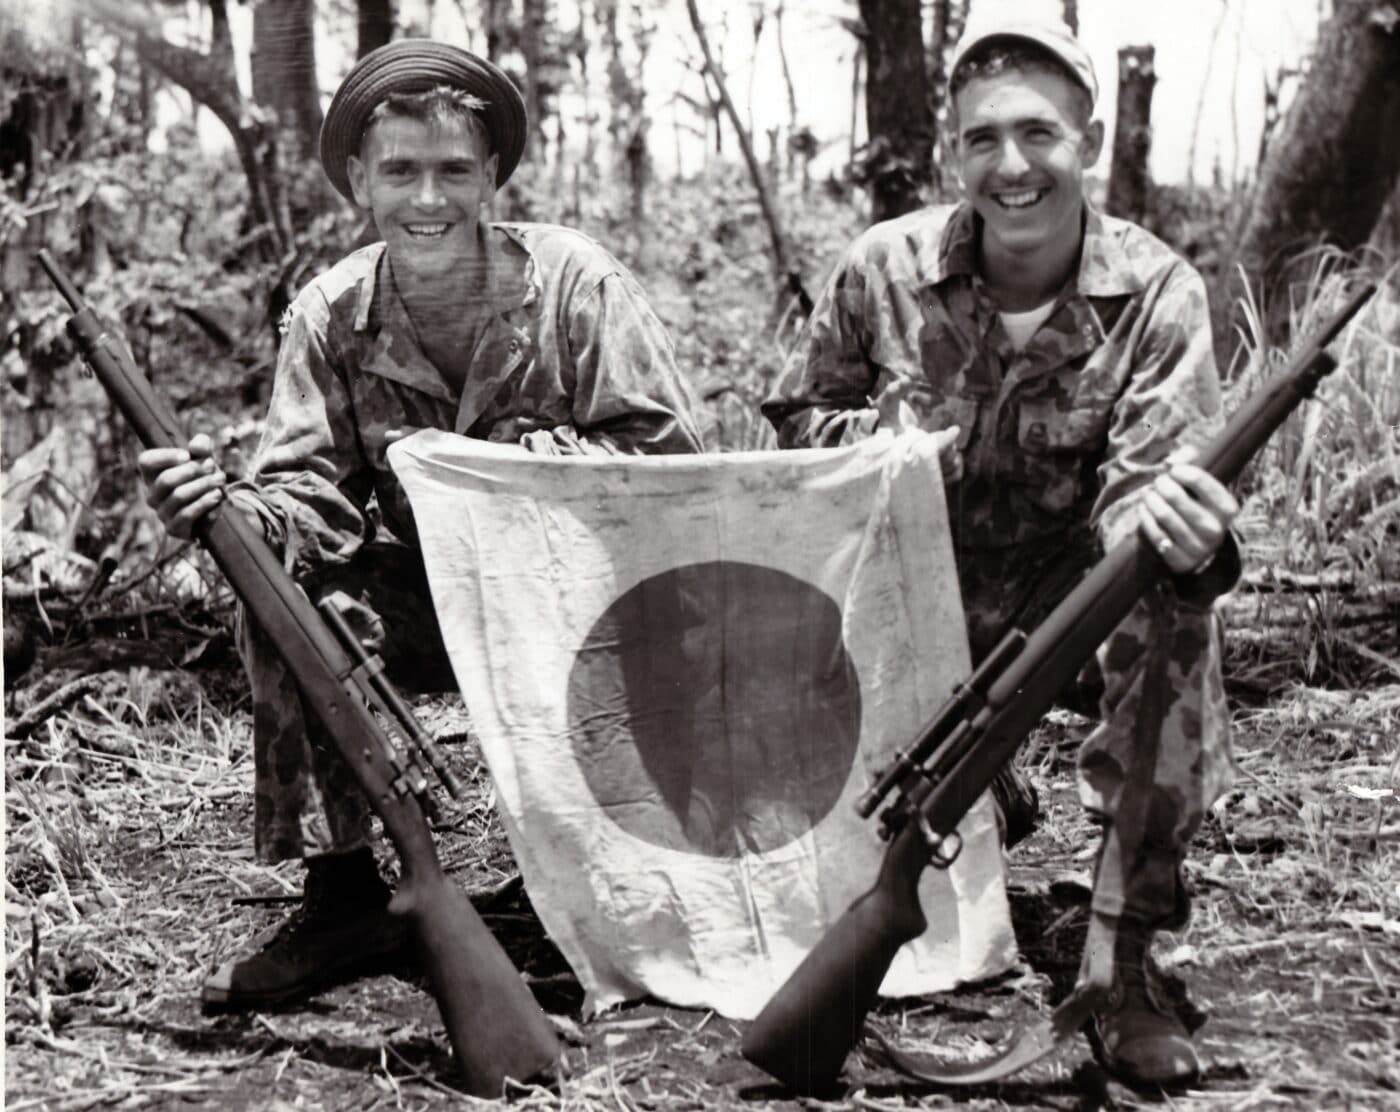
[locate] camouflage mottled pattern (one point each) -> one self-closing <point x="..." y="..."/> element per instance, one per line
<point x="578" y="362"/>
<point x="306" y="800"/>
<point x="1055" y="441"/>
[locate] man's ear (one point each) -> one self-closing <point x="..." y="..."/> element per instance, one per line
<point x="1091" y="146"/>
<point x="488" y="179"/>
<point x="951" y="150"/>
<point x="359" y="180"/>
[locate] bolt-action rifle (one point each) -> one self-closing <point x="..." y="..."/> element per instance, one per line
<point x="804" y="1033"/>
<point x="496" y="1028"/>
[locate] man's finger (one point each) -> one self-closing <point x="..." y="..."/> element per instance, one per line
<point x="1178" y="558"/>
<point x="153" y="461"/>
<point x="1206" y="489"/>
<point x="167" y="482"/>
<point x="1196" y="517"/>
<point x="183" y="523"/>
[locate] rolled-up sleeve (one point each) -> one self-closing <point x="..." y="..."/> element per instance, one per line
<point x="309" y="485"/>
<point x="1171" y="405"/>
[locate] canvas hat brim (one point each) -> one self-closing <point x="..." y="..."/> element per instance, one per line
<point x="415" y="66"/>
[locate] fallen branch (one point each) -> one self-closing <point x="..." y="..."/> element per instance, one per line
<point x="50" y="705"/>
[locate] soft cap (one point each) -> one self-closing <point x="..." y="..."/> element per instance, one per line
<point x="1052" y="34"/>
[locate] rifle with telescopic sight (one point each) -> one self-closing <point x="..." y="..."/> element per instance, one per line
<point x="804" y="1033"/>
<point x="496" y="1028"/>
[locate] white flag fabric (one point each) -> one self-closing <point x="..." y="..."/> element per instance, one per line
<point x="684" y="670"/>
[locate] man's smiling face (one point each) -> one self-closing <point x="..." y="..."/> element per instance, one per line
<point x="1022" y="145"/>
<point x="425" y="182"/>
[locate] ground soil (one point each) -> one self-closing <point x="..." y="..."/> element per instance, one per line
<point x="1292" y="955"/>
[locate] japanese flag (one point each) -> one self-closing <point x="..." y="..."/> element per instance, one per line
<point x="684" y="670"/>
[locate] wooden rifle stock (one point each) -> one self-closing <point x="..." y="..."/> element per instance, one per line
<point x="496" y="1028"/>
<point x="807" y="1029"/>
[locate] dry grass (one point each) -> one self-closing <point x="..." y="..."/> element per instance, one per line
<point x="128" y="820"/>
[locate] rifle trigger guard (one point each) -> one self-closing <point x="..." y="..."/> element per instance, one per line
<point x="943" y="849"/>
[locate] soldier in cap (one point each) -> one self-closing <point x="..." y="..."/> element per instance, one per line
<point x="1068" y="356"/>
<point x="518" y="333"/>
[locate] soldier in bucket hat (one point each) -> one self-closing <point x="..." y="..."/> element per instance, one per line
<point x="1068" y="354"/>
<point x="519" y="333"/>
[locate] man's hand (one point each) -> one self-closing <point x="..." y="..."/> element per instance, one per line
<point x="1186" y="515"/>
<point x="182" y="485"/>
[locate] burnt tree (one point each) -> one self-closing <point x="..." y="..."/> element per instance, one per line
<point x="898" y="115"/>
<point x="1334" y="160"/>
<point x="1129" y="184"/>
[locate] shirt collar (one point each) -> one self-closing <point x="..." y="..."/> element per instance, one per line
<point x="1105" y="270"/>
<point x="376" y="288"/>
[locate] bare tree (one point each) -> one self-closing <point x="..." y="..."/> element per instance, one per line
<point x="533" y="45"/>
<point x="1336" y="158"/>
<point x="1071" y="10"/>
<point x="1201" y="94"/>
<point x="374" y="25"/>
<point x="898" y="114"/>
<point x="284" y="70"/>
<point x="493" y="15"/>
<point x="949" y="17"/>
<point x="783" y="261"/>
<point x="1129" y="183"/>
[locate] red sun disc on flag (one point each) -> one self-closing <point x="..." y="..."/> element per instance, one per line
<point x="715" y="710"/>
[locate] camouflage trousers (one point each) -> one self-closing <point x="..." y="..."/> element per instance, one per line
<point x="1168" y="641"/>
<point x="306" y="800"/>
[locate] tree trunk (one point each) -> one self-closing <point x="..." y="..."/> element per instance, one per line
<point x="898" y="116"/>
<point x="284" y="70"/>
<point x="1335" y="158"/>
<point x="534" y="34"/>
<point x="374" y="22"/>
<point x="1129" y="183"/>
<point x="1071" y="10"/>
<point x="949" y="19"/>
<point x="493" y="16"/>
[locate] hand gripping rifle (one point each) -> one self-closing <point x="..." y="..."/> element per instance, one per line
<point x="496" y="1028"/>
<point x="805" y="1031"/>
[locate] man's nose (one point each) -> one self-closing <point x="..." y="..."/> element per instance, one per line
<point x="1013" y="160"/>
<point x="429" y="190"/>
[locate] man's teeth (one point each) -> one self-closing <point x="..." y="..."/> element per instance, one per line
<point x="425" y="231"/>
<point x="1021" y="199"/>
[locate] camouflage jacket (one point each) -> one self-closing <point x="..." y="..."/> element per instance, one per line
<point x="1053" y="440"/>
<point x="577" y="363"/>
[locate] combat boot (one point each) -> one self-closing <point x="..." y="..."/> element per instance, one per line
<point x="1138" y="1037"/>
<point x="341" y="930"/>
